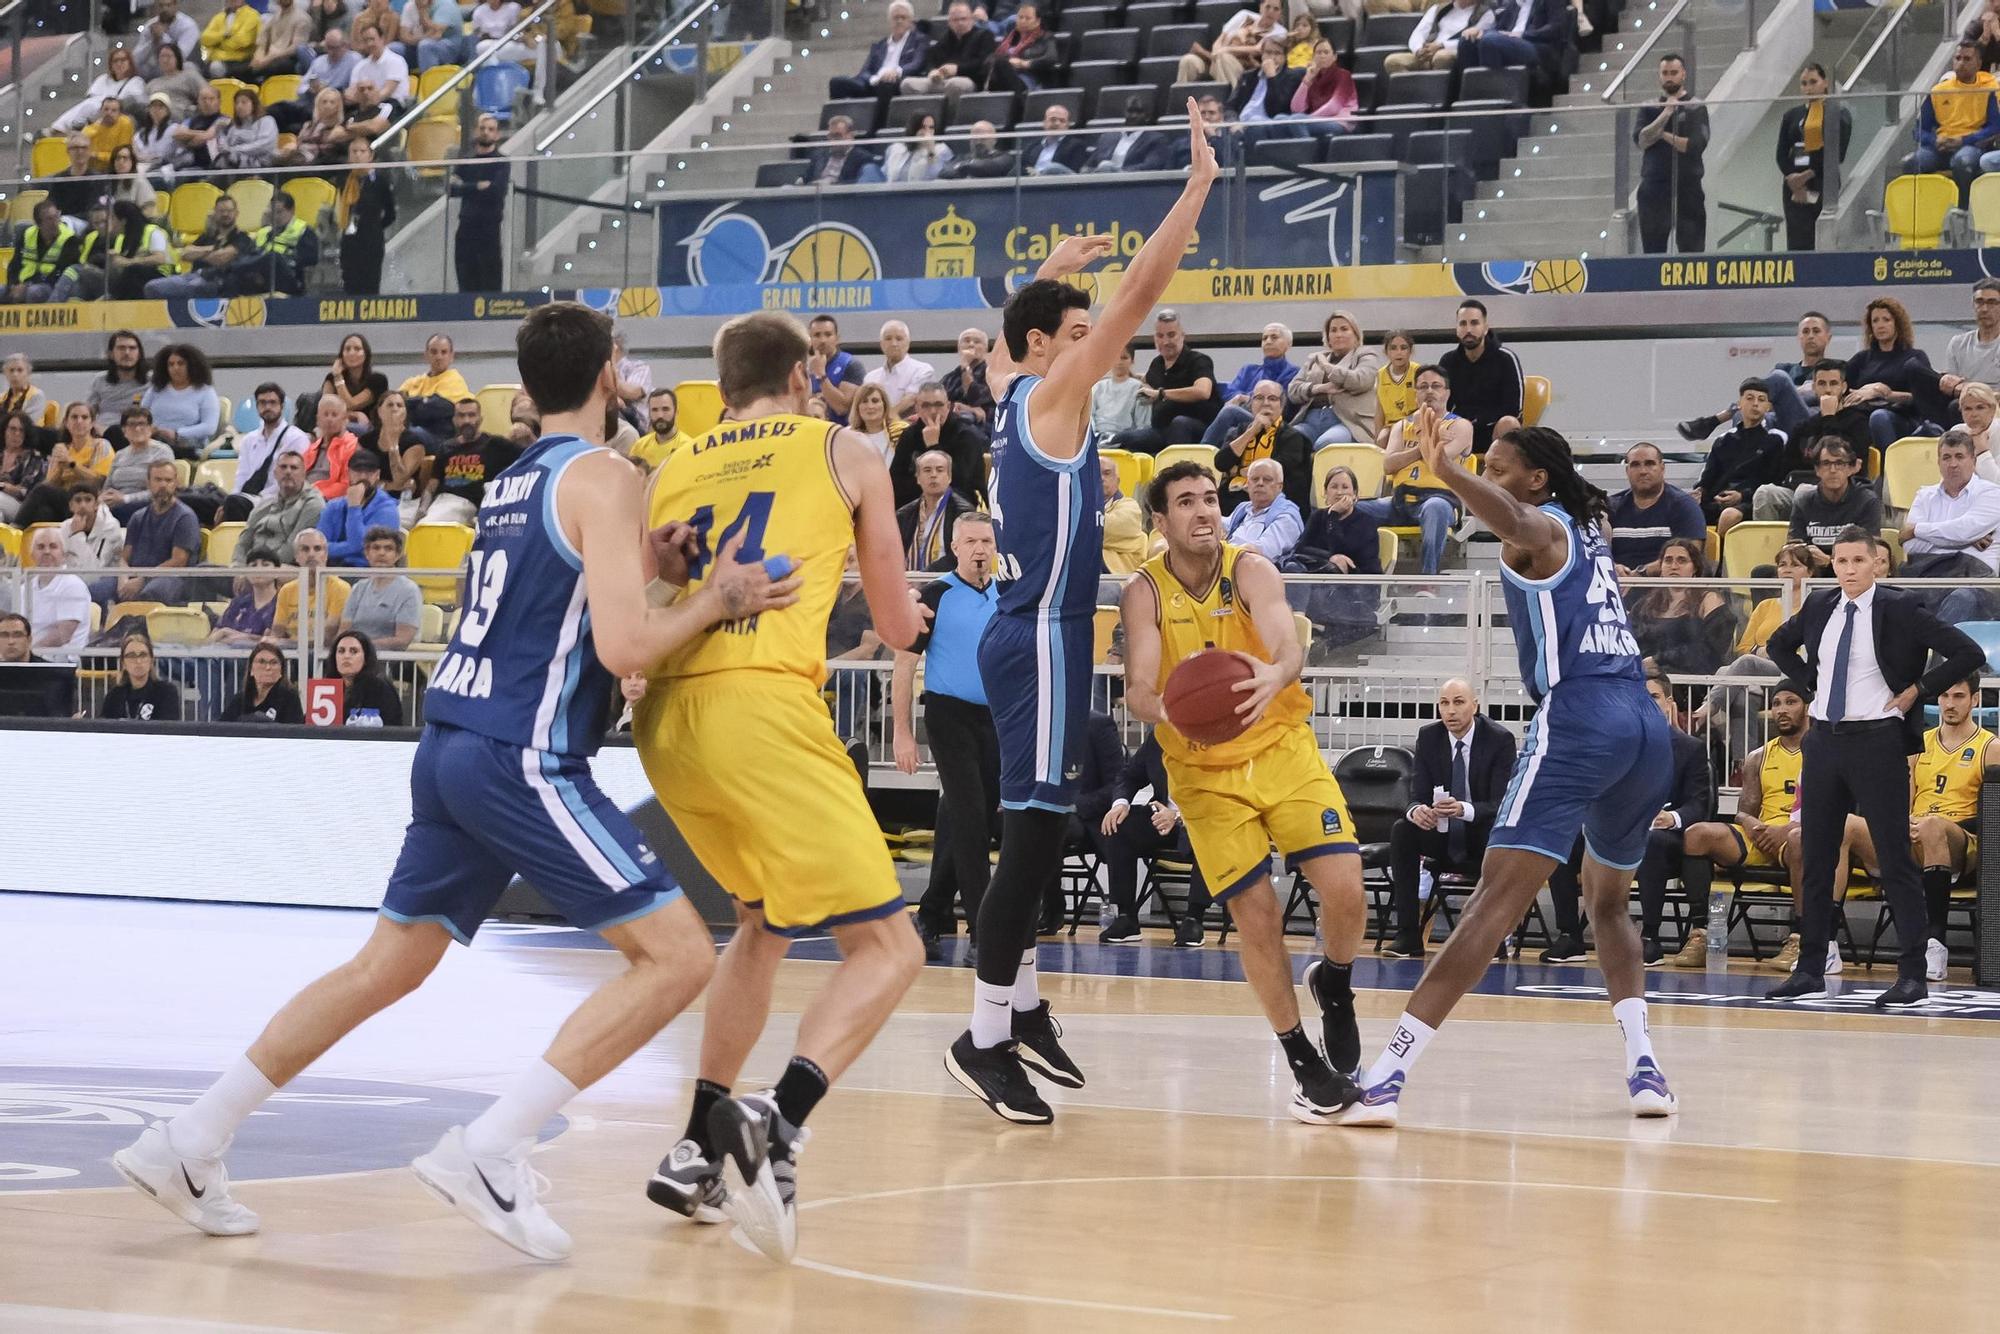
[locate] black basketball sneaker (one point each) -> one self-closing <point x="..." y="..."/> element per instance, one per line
<point x="1037" y="1032"/>
<point x="996" y="1077"/>
<point x="1340" y="1031"/>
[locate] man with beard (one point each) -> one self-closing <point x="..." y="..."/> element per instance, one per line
<point x="479" y="183"/>
<point x="1486" y="383"/>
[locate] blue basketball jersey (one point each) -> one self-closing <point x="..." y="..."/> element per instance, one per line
<point x="1048" y="517"/>
<point x="522" y="667"/>
<point x="1572" y="624"/>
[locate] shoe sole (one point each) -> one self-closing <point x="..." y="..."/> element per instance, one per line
<point x="666" y="1193"/>
<point x="1567" y="958"/>
<point x="752" y="1202"/>
<point x="459" y="1196"/>
<point x="1651" y="1106"/>
<point x="1119" y="940"/>
<point x="1383" y="1116"/>
<point x="182" y="1210"/>
<point x="1822" y="994"/>
<point x="999" y="1109"/>
<point x="1882" y="1004"/>
<point x="1312" y="1114"/>
<point x="1048" y="1070"/>
<point x="1402" y="954"/>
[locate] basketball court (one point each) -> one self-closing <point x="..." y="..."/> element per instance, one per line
<point x="1831" y="1169"/>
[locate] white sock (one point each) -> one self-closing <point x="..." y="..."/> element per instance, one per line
<point x="1406" y="1044"/>
<point x="1631" y="1017"/>
<point x="1027" y="995"/>
<point x="202" y="1130"/>
<point x="992" y="1013"/>
<point x="536" y="1094"/>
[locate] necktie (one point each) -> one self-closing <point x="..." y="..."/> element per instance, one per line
<point x="1454" y="838"/>
<point x="1836" y="693"/>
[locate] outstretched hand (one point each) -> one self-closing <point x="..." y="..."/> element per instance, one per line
<point x="1074" y="254"/>
<point x="1429" y="432"/>
<point x="1201" y="153"/>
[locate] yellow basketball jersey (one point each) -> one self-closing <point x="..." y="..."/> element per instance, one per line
<point x="1399" y="397"/>
<point x="771" y="480"/>
<point x="1780" y="772"/>
<point x="1191" y="621"/>
<point x="1416" y="475"/>
<point x="1947" y="781"/>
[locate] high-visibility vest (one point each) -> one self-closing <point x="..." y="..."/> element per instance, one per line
<point x="38" y="263"/>
<point x="285" y="242"/>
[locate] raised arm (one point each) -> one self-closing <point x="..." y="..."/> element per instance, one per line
<point x="1515" y="522"/>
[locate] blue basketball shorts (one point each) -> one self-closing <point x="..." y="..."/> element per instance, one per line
<point x="483" y="812"/>
<point x="1037" y="678"/>
<point x="1597" y="758"/>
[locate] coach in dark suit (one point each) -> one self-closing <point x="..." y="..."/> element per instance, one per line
<point x="1864" y="651"/>
<point x="1470" y="756"/>
<point x="1129" y="831"/>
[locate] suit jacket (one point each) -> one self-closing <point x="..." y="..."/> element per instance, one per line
<point x="1488" y="769"/>
<point x="1151" y="152"/>
<point x="915" y="47"/>
<point x="906" y="524"/>
<point x="1694" y="786"/>
<point x="1792" y="141"/>
<point x="850" y="170"/>
<point x="1101" y="780"/>
<point x="1277" y="99"/>
<point x="1144" y="767"/>
<point x="973" y="53"/>
<point x="1906" y="634"/>
<point x="1072" y="151"/>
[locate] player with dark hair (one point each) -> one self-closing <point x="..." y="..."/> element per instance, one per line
<point x="1266" y="787"/>
<point x="1597" y="759"/>
<point x="1035" y="657"/>
<point x="555" y="612"/>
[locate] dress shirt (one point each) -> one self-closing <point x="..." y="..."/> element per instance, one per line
<point x="1868" y="695"/>
<point x="1458" y="744"/>
<point x="1948" y="523"/>
<point x="901" y="380"/>
<point x="892" y="58"/>
<point x="1271" y="532"/>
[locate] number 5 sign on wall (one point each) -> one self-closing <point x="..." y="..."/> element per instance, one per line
<point x="326" y="701"/>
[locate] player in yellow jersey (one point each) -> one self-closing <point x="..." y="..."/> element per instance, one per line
<point x="1415" y="496"/>
<point x="1268" y="786"/>
<point x="1763" y="833"/>
<point x="743" y="755"/>
<point x="1945" y="777"/>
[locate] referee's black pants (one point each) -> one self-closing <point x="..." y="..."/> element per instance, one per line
<point x="966" y="750"/>
<point x="1863" y="769"/>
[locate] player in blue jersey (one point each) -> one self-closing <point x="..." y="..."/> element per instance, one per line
<point x="1035" y="657"/>
<point x="553" y="612"/>
<point x="1597" y="757"/>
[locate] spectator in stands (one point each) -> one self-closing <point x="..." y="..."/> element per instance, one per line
<point x="43" y="250"/>
<point x="1789" y="385"/>
<point x="106" y="132"/>
<point x="1892" y="376"/>
<point x="131" y="464"/>
<point x="230" y="40"/>
<point x="1985" y="30"/>
<point x="287" y="247"/>
<point x="346" y="521"/>
<point x="141" y="694"/>
<point x="1339" y="538"/>
<point x="891" y="60"/>
<point x="332" y="68"/>
<point x="1959" y="120"/>
<point x="936" y="426"/>
<point x="291" y="509"/>
<point x="331" y="447"/>
<point x="1487" y="388"/>
<point x="1649" y="511"/>
<point x="257" y="453"/>
<point x="965" y="384"/>
<point x="1833" y="418"/>
<point x="247" y="619"/>
<point x="900" y="374"/>
<point x="371" y="701"/>
<point x="1673" y="132"/>
<point x="282" y="40"/>
<point x="330" y="593"/>
<point x="57" y="604"/>
<point x="72" y="190"/>
<point x="1158" y="831"/>
<point x="1334" y="394"/>
<point x="92" y="537"/>
<point x="129" y="187"/>
<point x="1822" y="510"/>
<point x="21" y="393"/>
<point x="194" y="138"/>
<point x="354" y="380"/>
<point x="88" y="269"/>
<point x="1125" y="541"/>
<point x="186" y="410"/>
<point x="1236" y="45"/>
<point x="1026" y="58"/>
<point x="956" y="61"/>
<point x="153" y="137"/>
<point x="365" y="212"/>
<point x="1264" y="92"/>
<point x="480" y="183"/>
<point x="250" y="140"/>
<point x="126" y="370"/>
<point x="168" y="28"/>
<point x="434" y="394"/>
<point x="917" y="156"/>
<point x="1275" y="365"/>
<point x="1179" y="388"/>
<point x="79" y="456"/>
<point x="663" y="408"/>
<point x="1534" y="33"/>
<point x="55" y="697"/>
<point x="524" y="421"/>
<point x="1136" y="147"/>
<point x="21" y="464"/>
<point x="1951" y="529"/>
<point x="985" y="157"/>
<point x="266" y="697"/>
<point x="386" y="606"/>
<point x="161" y="534"/>
<point x="119" y="81"/>
<point x="177" y="83"/>
<point x="1802" y="140"/>
<point x="381" y="71"/>
<point x="1434" y="41"/>
<point x="405" y="452"/>
<point x="1115" y="405"/>
<point x="1741" y="460"/>
<point x="1268" y="521"/>
<point x="1977" y="405"/>
<point x="1685" y="630"/>
<point x="1265" y="436"/>
<point x="841" y="161"/>
<point x="1057" y="152"/>
<point x="635" y="380"/>
<point x="431" y="32"/>
<point x="1973" y="357"/>
<point x="1415" y="497"/>
<point x="1325" y="99"/>
<point x="926" y="522"/>
<point x="220" y="245"/>
<point x="490" y="24"/>
<point x="462" y="465"/>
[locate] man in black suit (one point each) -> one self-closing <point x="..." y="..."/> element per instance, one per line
<point x="1131" y="829"/>
<point x="1137" y="147"/>
<point x="891" y="59"/>
<point x="1864" y="652"/>
<point x="841" y="160"/>
<point x="1057" y="152"/>
<point x="1463" y="762"/>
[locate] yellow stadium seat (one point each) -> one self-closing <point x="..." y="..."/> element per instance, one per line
<point x="1386" y="549"/>
<point x="227" y="90"/>
<point x="6" y="258"/>
<point x="177" y="625"/>
<point x="496" y="403"/>
<point x="1535" y="393"/>
<point x="1302" y="626"/>
<point x="287" y="143"/>
<point x="253" y="201"/>
<point x="1893" y="539"/>
<point x="445" y="109"/>
<point x="1748" y="545"/>
<point x="1365" y="460"/>
<point x="279" y="88"/>
<point x="312" y="195"/>
<point x="1984" y="210"/>
<point x="1103" y="634"/>
<point x="219" y="472"/>
<point x="49" y="157"/>
<point x="1172" y="454"/>
<point x="700" y="403"/>
<point x="183" y="473"/>
<point x="431" y="141"/>
<point x="121" y="610"/>
<point x="1711" y="549"/>
<point x="1131" y="472"/>
<point x="21" y="208"/>
<point x="430" y="624"/>
<point x="439" y="546"/>
<point x="222" y="538"/>
<point x="51" y="415"/>
<point x="10" y="542"/>
<point x="1910" y="465"/>
<point x="1914" y="209"/>
<point x="192" y="203"/>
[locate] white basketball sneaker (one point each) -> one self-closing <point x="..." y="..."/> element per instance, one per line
<point x="1833" y="958"/>
<point x="1937" y="961"/>
<point x="1378" y="1105"/>
<point x="502" y="1195"/>
<point x="195" y="1190"/>
<point x="1647" y="1087"/>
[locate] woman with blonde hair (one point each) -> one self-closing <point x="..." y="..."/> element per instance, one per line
<point x="1334" y="395"/>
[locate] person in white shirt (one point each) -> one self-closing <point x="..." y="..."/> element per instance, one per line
<point x="1268" y="523"/>
<point x="490" y="24"/>
<point x="92" y="537"/>
<point x="168" y="27"/>
<point x="1434" y="41"/>
<point x="120" y="80"/>
<point x="900" y="375"/>
<point x="387" y="73"/>
<point x="56" y="604"/>
<point x="891" y="60"/>
<point x="1951" y="529"/>
<point x="257" y="452"/>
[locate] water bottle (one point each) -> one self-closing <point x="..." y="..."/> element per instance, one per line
<point x="1424" y="882"/>
<point x="1440" y="795"/>
<point x="1718" y="928"/>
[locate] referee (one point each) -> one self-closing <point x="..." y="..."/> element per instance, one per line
<point x="1865" y="648"/>
<point x="960" y="727"/>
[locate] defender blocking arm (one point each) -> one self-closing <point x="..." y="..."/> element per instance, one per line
<point x="1516" y="523"/>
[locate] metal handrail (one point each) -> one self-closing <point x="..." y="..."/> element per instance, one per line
<point x="1666" y="21"/>
<point x="689" y="20"/>
<point x="1881" y="40"/>
<point x="416" y="112"/>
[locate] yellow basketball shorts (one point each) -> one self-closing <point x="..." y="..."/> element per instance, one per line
<point x="1284" y="797"/>
<point x="752" y="773"/>
<point x="1752" y="855"/>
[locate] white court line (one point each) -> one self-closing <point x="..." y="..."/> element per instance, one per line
<point x="39" y="1318"/>
<point x="953" y="1290"/>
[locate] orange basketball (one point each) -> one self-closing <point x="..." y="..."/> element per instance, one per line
<point x="1200" y="698"/>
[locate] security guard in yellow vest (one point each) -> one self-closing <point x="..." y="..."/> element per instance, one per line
<point x="41" y="254"/>
<point x="287" y="248"/>
<point x="85" y="278"/>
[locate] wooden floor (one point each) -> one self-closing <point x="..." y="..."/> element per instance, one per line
<point x="1830" y="1172"/>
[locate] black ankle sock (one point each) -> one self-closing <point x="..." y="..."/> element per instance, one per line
<point x="1334" y="981"/>
<point x="799" y="1090"/>
<point x="1937" y="898"/>
<point x="706" y="1094"/>
<point x="1299" y="1050"/>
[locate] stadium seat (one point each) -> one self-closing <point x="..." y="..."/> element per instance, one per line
<point x="183" y="473"/>
<point x="10" y="543"/>
<point x="1087" y="76"/>
<point x="771" y="174"/>
<point x="1987" y="635"/>
<point x="1423" y="88"/>
<point x="1037" y="103"/>
<point x="700" y="403"/>
<point x="1172" y="454"/>
<point x="227" y="89"/>
<point x="434" y="78"/>
<point x="1433" y="198"/>
<point x="1284" y="152"/>
<point x="1494" y="136"/>
<point x="1179" y="93"/>
<point x="494" y="87"/>
<point x="244" y="419"/>
<point x="21" y="208"/>
<point x="1754" y="543"/>
<point x="995" y="107"/>
<point x="1984" y="210"/>
<point x="1109" y="103"/>
<point x="51" y="415"/>
<point x="1509" y="85"/>
<point x="1372" y="59"/>
<point x="496" y="408"/>
<point x="123" y="610"/>
<point x="218" y="472"/>
<point x="430" y="625"/>
<point x="1152" y="14"/>
<point x="1172" y="39"/>
<point x="1090" y="18"/>
<point x="1386" y="549"/>
<point x="278" y="88"/>
<point x="177" y="625"/>
<point x="1103" y="634"/>
<point x="1160" y="72"/>
<point x="193" y="202"/>
<point x="1914" y="209"/>
<point x="1535" y="394"/>
<point x="431" y="141"/>
<point x="1210" y="14"/>
<point x="860" y="110"/>
<point x="1438" y="146"/>
<point x="897" y="118"/>
<point x="1361" y="148"/>
<point x="1120" y="44"/>
<point x="1366" y="460"/>
<point x="222" y="538"/>
<point x="1340" y="31"/>
<point x="49" y="156"/>
<point x="1131" y="469"/>
<point x="438" y="546"/>
<point x="253" y="200"/>
<point x="1910" y="465"/>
